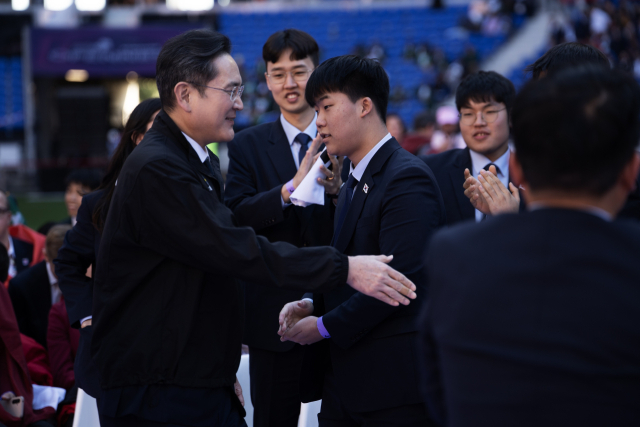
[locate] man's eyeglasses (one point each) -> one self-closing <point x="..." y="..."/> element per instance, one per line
<point x="489" y="116"/>
<point x="234" y="93"/>
<point x="299" y="76"/>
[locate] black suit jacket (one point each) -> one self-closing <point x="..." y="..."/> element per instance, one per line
<point x="448" y="168"/>
<point x="78" y="252"/>
<point x="260" y="162"/>
<point x="167" y="309"/>
<point x="24" y="254"/>
<point x="394" y="214"/>
<point x="30" y="294"/>
<point x="550" y="338"/>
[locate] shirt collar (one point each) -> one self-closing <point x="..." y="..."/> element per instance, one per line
<point x="291" y="131"/>
<point x="52" y="278"/>
<point x="478" y="162"/>
<point x="201" y="152"/>
<point x="593" y="210"/>
<point x="358" y="171"/>
<point x="11" y="251"/>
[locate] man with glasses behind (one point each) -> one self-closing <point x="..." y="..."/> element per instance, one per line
<point x="484" y="100"/>
<point x="266" y="163"/>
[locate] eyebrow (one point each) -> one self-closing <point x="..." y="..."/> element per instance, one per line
<point x="486" y="104"/>
<point x="293" y="68"/>
<point x="232" y="84"/>
<point x="323" y="97"/>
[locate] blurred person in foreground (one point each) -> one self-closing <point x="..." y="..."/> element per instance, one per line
<point x="553" y="337"/>
<point x="390" y="203"/>
<point x="484" y="100"/>
<point x="167" y="313"/>
<point x="266" y="164"/>
<point x="71" y="355"/>
<point x="34" y="291"/>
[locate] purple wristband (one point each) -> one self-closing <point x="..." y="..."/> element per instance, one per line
<point x="323" y="331"/>
<point x="290" y="187"/>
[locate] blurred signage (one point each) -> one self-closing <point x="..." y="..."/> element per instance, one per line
<point x="102" y="52"/>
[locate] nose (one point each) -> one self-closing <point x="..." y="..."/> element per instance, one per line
<point x="238" y="105"/>
<point x="289" y="80"/>
<point x="480" y="121"/>
<point x="320" y="122"/>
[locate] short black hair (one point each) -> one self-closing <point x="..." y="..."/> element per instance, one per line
<point x="485" y="86"/>
<point x="566" y="55"/>
<point x="302" y="45"/>
<point x="188" y="57"/>
<point x="577" y="129"/>
<point x="353" y="76"/>
<point x="89" y="178"/>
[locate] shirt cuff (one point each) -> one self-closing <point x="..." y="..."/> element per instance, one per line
<point x="323" y="331"/>
<point x="290" y="188"/>
<point x="85" y="318"/>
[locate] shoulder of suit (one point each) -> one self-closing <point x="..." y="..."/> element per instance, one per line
<point x="257" y="133"/>
<point x="24" y="279"/>
<point x="444" y="158"/>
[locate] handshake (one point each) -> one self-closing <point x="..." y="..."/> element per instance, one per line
<point x="369" y="275"/>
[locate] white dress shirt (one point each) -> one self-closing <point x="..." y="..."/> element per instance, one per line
<point x="291" y="131"/>
<point x="478" y="162"/>
<point x="12" y="258"/>
<point x="358" y="171"/>
<point x="202" y="153"/>
<point x="55" y="289"/>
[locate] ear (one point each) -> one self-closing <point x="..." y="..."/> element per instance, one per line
<point x="629" y="176"/>
<point x="366" y="106"/>
<point x="182" y="92"/>
<point x="137" y="137"/>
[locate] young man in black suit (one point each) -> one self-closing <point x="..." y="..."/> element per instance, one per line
<point x="265" y="163"/>
<point x="484" y="100"/>
<point x="34" y="291"/>
<point x="551" y="336"/>
<point x="167" y="311"/>
<point x="390" y="204"/>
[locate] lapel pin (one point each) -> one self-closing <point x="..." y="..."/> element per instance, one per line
<point x="365" y="188"/>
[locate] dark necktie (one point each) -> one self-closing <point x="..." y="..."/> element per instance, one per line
<point x="209" y="166"/>
<point x="304" y="140"/>
<point x="498" y="171"/>
<point x="350" y="187"/>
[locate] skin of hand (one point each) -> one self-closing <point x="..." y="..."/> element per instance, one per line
<point x="332" y="186"/>
<point x="304" y="168"/>
<point x="85" y="323"/>
<point x="237" y="388"/>
<point x="489" y="195"/>
<point x="370" y="275"/>
<point x="292" y="313"/>
<point x="305" y="332"/>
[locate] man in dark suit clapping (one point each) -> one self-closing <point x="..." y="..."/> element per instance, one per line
<point x="390" y="204"/>
<point x="266" y="162"/>
<point x="533" y="318"/>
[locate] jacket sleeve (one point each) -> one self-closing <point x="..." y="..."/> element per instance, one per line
<point x="74" y="258"/>
<point x="59" y="348"/>
<point x="250" y="207"/>
<point x="411" y="212"/>
<point x="200" y="231"/>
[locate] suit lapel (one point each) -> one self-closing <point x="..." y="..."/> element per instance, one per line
<point x="360" y="195"/>
<point x="457" y="180"/>
<point x="279" y="151"/>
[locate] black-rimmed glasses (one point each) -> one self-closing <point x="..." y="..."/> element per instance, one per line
<point x="300" y="76"/>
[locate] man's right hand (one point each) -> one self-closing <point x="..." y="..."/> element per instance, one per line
<point x="372" y="276"/>
<point x="304" y="168"/>
<point x="85" y="323"/>
<point x="292" y="313"/>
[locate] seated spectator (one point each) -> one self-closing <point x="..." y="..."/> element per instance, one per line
<point x="62" y="343"/>
<point x="78" y="183"/>
<point x="14" y="372"/>
<point x="23" y="245"/>
<point x="396" y="128"/>
<point x="424" y="124"/>
<point x="34" y="291"/>
<point x="448" y="135"/>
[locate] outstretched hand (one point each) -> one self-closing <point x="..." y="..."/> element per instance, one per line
<point x="291" y="314"/>
<point x="305" y="332"/>
<point x="372" y="276"/>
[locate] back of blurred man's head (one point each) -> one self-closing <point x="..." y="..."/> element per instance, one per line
<point x="566" y="55"/>
<point x="576" y="130"/>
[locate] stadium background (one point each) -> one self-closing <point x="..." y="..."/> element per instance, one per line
<point x="72" y="70"/>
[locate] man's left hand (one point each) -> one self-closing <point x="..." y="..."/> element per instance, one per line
<point x="237" y="388"/>
<point x="333" y="180"/>
<point x="305" y="332"/>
